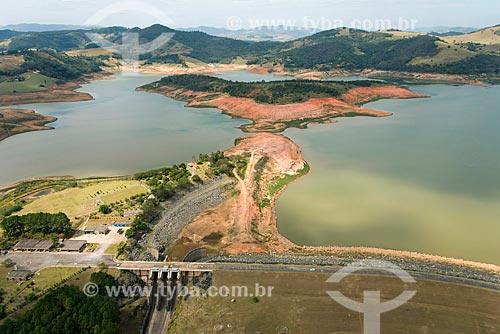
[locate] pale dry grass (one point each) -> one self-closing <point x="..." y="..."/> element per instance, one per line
<point x="485" y="36"/>
<point x="89" y="52"/>
<point x="448" y="53"/>
<point x="79" y="201"/>
<point x="300" y="304"/>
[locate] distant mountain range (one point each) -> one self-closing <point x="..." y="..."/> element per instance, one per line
<point x="342" y="48"/>
<point x="37" y="27"/>
<point x="445" y="29"/>
<point x="275" y="33"/>
<point x="264" y="33"/>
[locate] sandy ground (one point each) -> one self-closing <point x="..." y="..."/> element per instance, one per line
<point x="59" y="94"/>
<point x="113" y="237"/>
<point x="421" y="77"/>
<point x="201" y="68"/>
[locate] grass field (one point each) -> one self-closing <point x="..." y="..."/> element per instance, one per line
<point x="33" y="82"/>
<point x="10" y="62"/>
<point x="14" y="293"/>
<point x="485" y="36"/>
<point x="79" y="201"/>
<point x="112" y="249"/>
<point x="300" y="304"/>
<point x="445" y="55"/>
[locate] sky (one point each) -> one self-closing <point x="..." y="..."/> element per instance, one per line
<point x="235" y="14"/>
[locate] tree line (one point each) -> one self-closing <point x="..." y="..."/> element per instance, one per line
<point x="37" y="225"/>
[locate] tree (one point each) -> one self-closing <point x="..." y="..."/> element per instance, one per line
<point x="163" y="192"/>
<point x="67" y="310"/>
<point x="102" y="280"/>
<point x="36" y="224"/>
<point x="54" y="239"/>
<point x="104" y="209"/>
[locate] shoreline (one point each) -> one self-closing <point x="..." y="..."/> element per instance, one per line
<point x="58" y="93"/>
<point x="210" y="69"/>
<point x="278" y="117"/>
<point x="15" y="121"/>
<point x="35" y="121"/>
<point x="263" y="237"/>
<point x="280" y="244"/>
<point x="287" y="248"/>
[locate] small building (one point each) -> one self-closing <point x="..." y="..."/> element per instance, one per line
<point x="19" y="275"/>
<point x="96" y="230"/>
<point x="34" y="245"/>
<point x="72" y="245"/>
<point x="122" y="224"/>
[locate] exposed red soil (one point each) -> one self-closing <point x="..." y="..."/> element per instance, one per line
<point x="248" y="228"/>
<point x="274" y="118"/>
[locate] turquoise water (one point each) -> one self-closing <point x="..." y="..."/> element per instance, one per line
<point x="426" y="179"/>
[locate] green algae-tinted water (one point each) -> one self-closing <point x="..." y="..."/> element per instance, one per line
<point x="426" y="179"/>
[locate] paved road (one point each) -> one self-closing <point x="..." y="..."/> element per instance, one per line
<point x="37" y="261"/>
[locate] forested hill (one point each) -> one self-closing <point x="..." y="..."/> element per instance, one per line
<point x="54" y="67"/>
<point x="353" y="49"/>
<point x="272" y="92"/>
<point x="348" y="49"/>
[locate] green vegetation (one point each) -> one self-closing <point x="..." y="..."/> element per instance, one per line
<point x="349" y="49"/>
<point x="80" y="200"/>
<point x="17" y="295"/>
<point x="67" y="310"/>
<point x="116" y="249"/>
<point x="105" y="209"/>
<point x="168" y="182"/>
<point x="36" y="225"/>
<point x="222" y="164"/>
<point x="26" y="82"/>
<point x="353" y="49"/>
<point x="34" y="71"/>
<point x="279" y="183"/>
<point x="273" y="92"/>
<point x="102" y="280"/>
<point x="259" y="169"/>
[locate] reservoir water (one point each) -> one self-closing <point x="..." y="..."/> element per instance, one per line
<point x="426" y="179"/>
<point x="122" y="131"/>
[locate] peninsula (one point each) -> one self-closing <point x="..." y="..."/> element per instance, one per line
<point x="16" y="121"/>
<point x="277" y="105"/>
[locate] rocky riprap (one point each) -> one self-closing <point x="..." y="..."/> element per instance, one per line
<point x="180" y="213"/>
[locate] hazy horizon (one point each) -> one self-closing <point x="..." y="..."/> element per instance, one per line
<point x="245" y="14"/>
